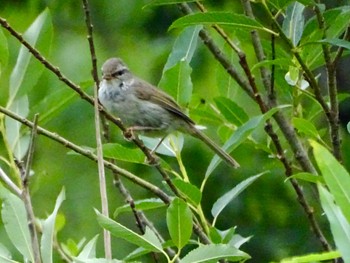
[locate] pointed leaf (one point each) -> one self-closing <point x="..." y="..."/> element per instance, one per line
<point x="14" y="217"/>
<point x="148" y="241"/>
<point x="231" y="111"/>
<point x="144" y="205"/>
<point x="325" y="256"/>
<point x="340" y="227"/>
<point x="184" y="47"/>
<point x="179" y="221"/>
<point x="224" y="200"/>
<point x="48" y="227"/>
<point x="293" y="23"/>
<point x="190" y="191"/>
<point x="220" y="18"/>
<point x="308" y="177"/>
<point x="335" y="175"/>
<point x="28" y="70"/>
<point x="89" y="250"/>
<point x="213" y="253"/>
<point x="306" y="127"/>
<point x="176" y="81"/>
<point x="18" y="142"/>
<point x="239" y="136"/>
<point x="119" y="152"/>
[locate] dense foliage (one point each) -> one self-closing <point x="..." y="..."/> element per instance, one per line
<point x="268" y="79"/>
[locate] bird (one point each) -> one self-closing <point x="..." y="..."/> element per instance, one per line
<point x="146" y="109"/>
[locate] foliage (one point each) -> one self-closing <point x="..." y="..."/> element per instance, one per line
<point x="269" y="93"/>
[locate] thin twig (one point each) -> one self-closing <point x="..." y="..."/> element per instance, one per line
<point x="332" y="88"/>
<point x="101" y="171"/>
<point x="152" y="159"/>
<point x="87" y="153"/>
<point x="26" y="195"/>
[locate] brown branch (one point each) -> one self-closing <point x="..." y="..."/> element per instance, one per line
<point x="25" y="195"/>
<point x="101" y="170"/>
<point x="333" y="115"/>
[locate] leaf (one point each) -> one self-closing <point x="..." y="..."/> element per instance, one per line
<point x="348" y="127"/>
<point x="138" y="252"/>
<point x="224" y="200"/>
<point x="14" y="218"/>
<point x="306" y="127"/>
<point x="335" y="175"/>
<point x="340" y="227"/>
<point x="220" y="18"/>
<point x="336" y="20"/>
<point x="89" y="250"/>
<point x="48" y="228"/>
<point x="5" y="255"/>
<point x="148" y="241"/>
<point x="190" y="191"/>
<point x="119" y="152"/>
<point x="293" y="23"/>
<point x="184" y="47"/>
<point x="167" y="2"/>
<point x="231" y="111"/>
<point x="336" y="42"/>
<point x="239" y="136"/>
<point x="176" y="81"/>
<point x="28" y="70"/>
<point x="308" y="177"/>
<point x="325" y="256"/>
<point x="214" y="252"/>
<point x="144" y="205"/>
<point x="18" y="143"/>
<point x="56" y="101"/>
<point x="4" y="52"/>
<point x="179" y="222"/>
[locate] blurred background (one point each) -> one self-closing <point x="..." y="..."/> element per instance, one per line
<point x="268" y="211"/>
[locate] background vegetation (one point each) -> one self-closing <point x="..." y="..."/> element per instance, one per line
<point x="268" y="210"/>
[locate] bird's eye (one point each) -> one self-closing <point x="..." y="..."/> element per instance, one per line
<point x="118" y="73"/>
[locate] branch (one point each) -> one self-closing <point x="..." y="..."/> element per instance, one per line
<point x="101" y="171"/>
<point x="333" y="117"/>
<point x="26" y="195"/>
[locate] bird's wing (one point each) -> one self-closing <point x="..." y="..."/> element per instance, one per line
<point x="146" y="91"/>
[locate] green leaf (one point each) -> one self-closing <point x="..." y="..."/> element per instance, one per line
<point x="56" y="101"/>
<point x="308" y="177"/>
<point x="190" y="191"/>
<point x="48" y="228"/>
<point x="18" y="142"/>
<point x="335" y="175"/>
<point x="89" y="250"/>
<point x="224" y="200"/>
<point x="184" y="47"/>
<point x="348" y="127"/>
<point x="148" y="241"/>
<point x="220" y="18"/>
<point x="214" y="252"/>
<point x="27" y="69"/>
<point x="176" y="81"/>
<point x="306" y="127"/>
<point x="167" y="2"/>
<point x="336" y="42"/>
<point x="144" y="205"/>
<point x="179" y="221"/>
<point x="336" y="20"/>
<point x="4" y="52"/>
<point x="231" y="111"/>
<point x="282" y="62"/>
<point x="138" y="252"/>
<point x="240" y="136"/>
<point x="325" y="256"/>
<point x="14" y="218"/>
<point x="119" y="152"/>
<point x="340" y="227"/>
<point x="5" y="255"/>
<point x="97" y="260"/>
<point x="293" y="23"/>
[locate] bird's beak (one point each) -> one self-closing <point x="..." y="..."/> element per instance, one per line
<point x="107" y="76"/>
